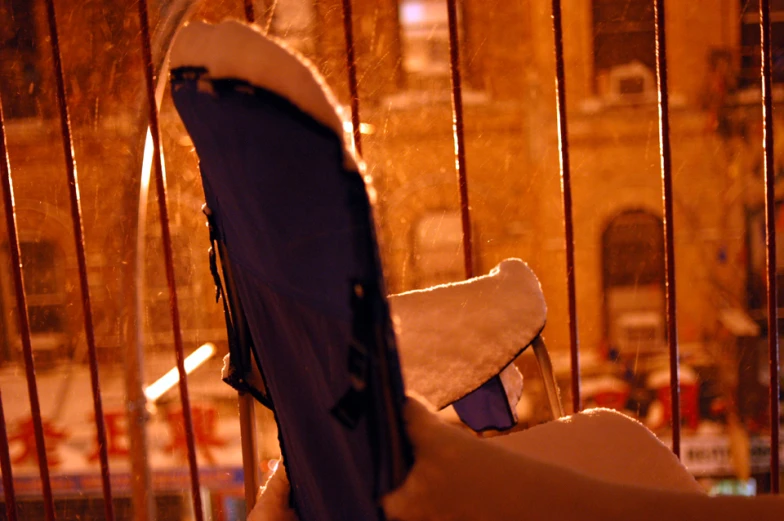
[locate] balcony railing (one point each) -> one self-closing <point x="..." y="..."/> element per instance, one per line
<point x="135" y="396"/>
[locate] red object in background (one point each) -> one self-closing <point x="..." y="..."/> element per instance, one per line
<point x="606" y="391"/>
<point x="205" y="424"/>
<point x="690" y="412"/>
<point x="612" y="399"/>
<point x="25" y="434"/>
<point x="116" y="435"/>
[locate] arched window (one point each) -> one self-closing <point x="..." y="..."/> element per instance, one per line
<point x="633" y="281"/>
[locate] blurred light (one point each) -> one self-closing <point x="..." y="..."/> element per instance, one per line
<point x="734" y="487"/>
<point x="170" y="379"/>
<point x="149" y="150"/>
<point x="364" y="128"/>
<point x="412" y="13"/>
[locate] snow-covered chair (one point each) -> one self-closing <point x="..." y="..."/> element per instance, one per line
<point x="318" y="324"/>
<point x="291" y="224"/>
<point x="458" y="342"/>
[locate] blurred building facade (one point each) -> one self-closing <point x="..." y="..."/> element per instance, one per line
<point x="507" y="64"/>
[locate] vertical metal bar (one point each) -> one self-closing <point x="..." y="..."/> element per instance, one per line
<point x="135" y="399"/>
<point x="76" y="217"/>
<point x="250" y="15"/>
<point x="566" y="196"/>
<point x="160" y="183"/>
<point x="250" y="448"/>
<point x="5" y="466"/>
<point x="351" y="63"/>
<point x="770" y="240"/>
<point x="458" y="131"/>
<point x="548" y="377"/>
<point x="24" y="323"/>
<point x="669" y="252"/>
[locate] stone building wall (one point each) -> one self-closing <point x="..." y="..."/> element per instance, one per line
<point x="511" y="155"/>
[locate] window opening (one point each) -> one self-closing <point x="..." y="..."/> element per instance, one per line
<point x="633" y="279"/>
<point x="624" y="49"/>
<point x="19" y="76"/>
<point x="44" y="284"/>
<point x="424" y="27"/>
<point x="44" y="287"/>
<point x="750" y="42"/>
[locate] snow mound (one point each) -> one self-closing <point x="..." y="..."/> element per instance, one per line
<point x="457" y="476"/>
<point x="239" y="51"/>
<point x="453" y="338"/>
<point x="574" y="469"/>
<point x="603" y="444"/>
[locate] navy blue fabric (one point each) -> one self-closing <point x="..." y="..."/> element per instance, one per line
<point x="298" y="232"/>
<point x="486" y="408"/>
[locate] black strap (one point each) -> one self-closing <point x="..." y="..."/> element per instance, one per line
<point x="239" y="350"/>
<point x="354" y="402"/>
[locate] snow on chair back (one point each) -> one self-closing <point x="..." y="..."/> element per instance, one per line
<point x="458" y="341"/>
<point x="294" y="223"/>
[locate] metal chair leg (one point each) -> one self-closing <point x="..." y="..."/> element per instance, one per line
<point x="250" y="449"/>
<point x="548" y="376"/>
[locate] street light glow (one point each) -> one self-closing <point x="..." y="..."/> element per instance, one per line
<point x="170" y="379"/>
<point x="364" y="128"/>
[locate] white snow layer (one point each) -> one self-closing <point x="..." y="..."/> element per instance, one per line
<point x="236" y="50"/>
<point x="454" y="337"/>
<point x="597" y="465"/>
<point x="272" y="502"/>
<point x="606" y="445"/>
<point x="573" y="470"/>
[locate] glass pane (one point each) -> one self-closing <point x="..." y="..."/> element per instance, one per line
<point x="406" y="123"/>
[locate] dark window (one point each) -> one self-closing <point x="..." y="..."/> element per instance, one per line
<point x="46" y="319"/>
<point x="633" y="250"/>
<point x="17" y="25"/>
<point x="19" y="76"/>
<point x="44" y="286"/>
<point x="623" y="33"/>
<point x="757" y="262"/>
<point x="39" y="261"/>
<point x="633" y="280"/>
<point x="750" y="42"/>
